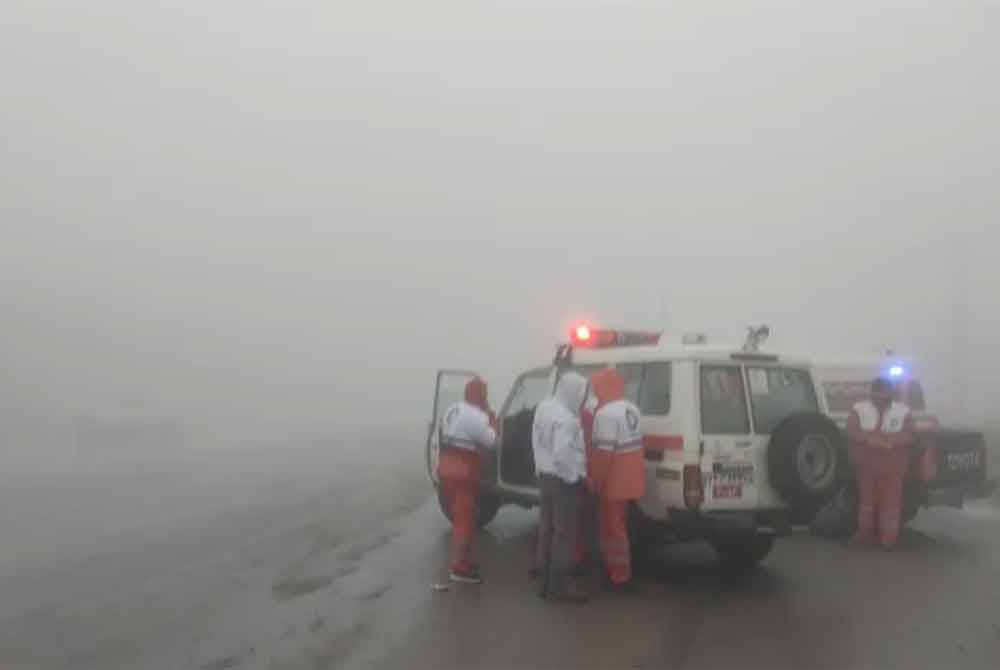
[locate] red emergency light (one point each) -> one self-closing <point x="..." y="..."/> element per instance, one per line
<point x="585" y="336"/>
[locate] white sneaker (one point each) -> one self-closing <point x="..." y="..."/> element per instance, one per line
<point x="471" y="577"/>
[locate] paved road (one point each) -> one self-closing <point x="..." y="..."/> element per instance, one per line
<point x="933" y="603"/>
<point x="275" y="585"/>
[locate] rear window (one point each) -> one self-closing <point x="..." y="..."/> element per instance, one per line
<point x="723" y="401"/>
<point x="654" y="399"/>
<point x="776" y="393"/>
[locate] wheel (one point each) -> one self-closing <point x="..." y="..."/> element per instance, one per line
<point x="486" y="510"/>
<point x="641" y="534"/>
<point x="740" y="553"/>
<point x="837" y="520"/>
<point x="807" y="463"/>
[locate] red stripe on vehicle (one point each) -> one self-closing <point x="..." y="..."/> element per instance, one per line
<point x="663" y="442"/>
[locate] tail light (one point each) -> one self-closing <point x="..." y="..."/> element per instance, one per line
<point x="694" y="493"/>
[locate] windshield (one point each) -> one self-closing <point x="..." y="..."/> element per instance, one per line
<point x="528" y="391"/>
<point x="777" y="393"/>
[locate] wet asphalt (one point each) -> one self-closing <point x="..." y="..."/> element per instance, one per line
<point x="275" y="587"/>
<point x="933" y="602"/>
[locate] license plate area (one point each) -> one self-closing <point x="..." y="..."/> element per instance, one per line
<point x="962" y="465"/>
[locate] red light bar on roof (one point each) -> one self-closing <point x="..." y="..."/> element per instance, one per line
<point x="585" y="336"/>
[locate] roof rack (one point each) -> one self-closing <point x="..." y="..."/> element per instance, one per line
<point x="756" y="337"/>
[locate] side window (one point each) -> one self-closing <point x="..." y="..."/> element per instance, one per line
<point x="654" y="398"/>
<point x="632" y="372"/>
<point x="723" y="401"/>
<point x="776" y="393"/>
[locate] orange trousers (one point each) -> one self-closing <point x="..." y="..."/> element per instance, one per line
<point x="615" y="548"/>
<point x="880" y="507"/>
<point x="462" y="496"/>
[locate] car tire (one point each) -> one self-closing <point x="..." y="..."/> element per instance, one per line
<point x="641" y="533"/>
<point x="807" y="463"/>
<point x="488" y="507"/>
<point x="741" y="553"/>
<point x="838" y="519"/>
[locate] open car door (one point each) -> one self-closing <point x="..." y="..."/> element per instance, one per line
<point x="448" y="389"/>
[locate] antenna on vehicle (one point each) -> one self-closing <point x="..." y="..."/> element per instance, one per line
<point x="756" y="337"/>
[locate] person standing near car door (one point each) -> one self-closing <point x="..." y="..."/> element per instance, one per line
<point x="467" y="427"/>
<point x="881" y="434"/>
<point x="560" y="463"/>
<point x="618" y="473"/>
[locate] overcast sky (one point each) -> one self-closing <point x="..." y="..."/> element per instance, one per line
<point x="287" y="214"/>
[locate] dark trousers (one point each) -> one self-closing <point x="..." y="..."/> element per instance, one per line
<point x="557" y="533"/>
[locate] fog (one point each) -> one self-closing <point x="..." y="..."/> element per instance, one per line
<point x="270" y="219"/>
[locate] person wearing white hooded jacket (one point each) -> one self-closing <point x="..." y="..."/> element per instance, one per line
<point x="560" y="463"/>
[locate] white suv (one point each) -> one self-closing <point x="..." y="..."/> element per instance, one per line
<point x="737" y="442"/>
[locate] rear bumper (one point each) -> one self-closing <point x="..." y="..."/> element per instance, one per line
<point x="687" y="524"/>
<point x="956" y="494"/>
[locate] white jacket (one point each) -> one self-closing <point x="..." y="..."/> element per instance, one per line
<point x="557" y="435"/>
<point x="465" y="426"/>
<point x="616" y="427"/>
<point x="892" y="421"/>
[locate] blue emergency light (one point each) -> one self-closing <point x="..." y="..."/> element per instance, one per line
<point x="896" y="371"/>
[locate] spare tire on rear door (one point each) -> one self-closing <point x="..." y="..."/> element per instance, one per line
<point x="807" y="463"/>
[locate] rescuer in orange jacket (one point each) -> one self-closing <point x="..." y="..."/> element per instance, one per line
<point x="617" y="472"/>
<point x="881" y="434"/>
<point x="466" y="428"/>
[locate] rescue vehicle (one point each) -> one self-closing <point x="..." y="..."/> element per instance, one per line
<point x="948" y="465"/>
<point x="740" y="444"/>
